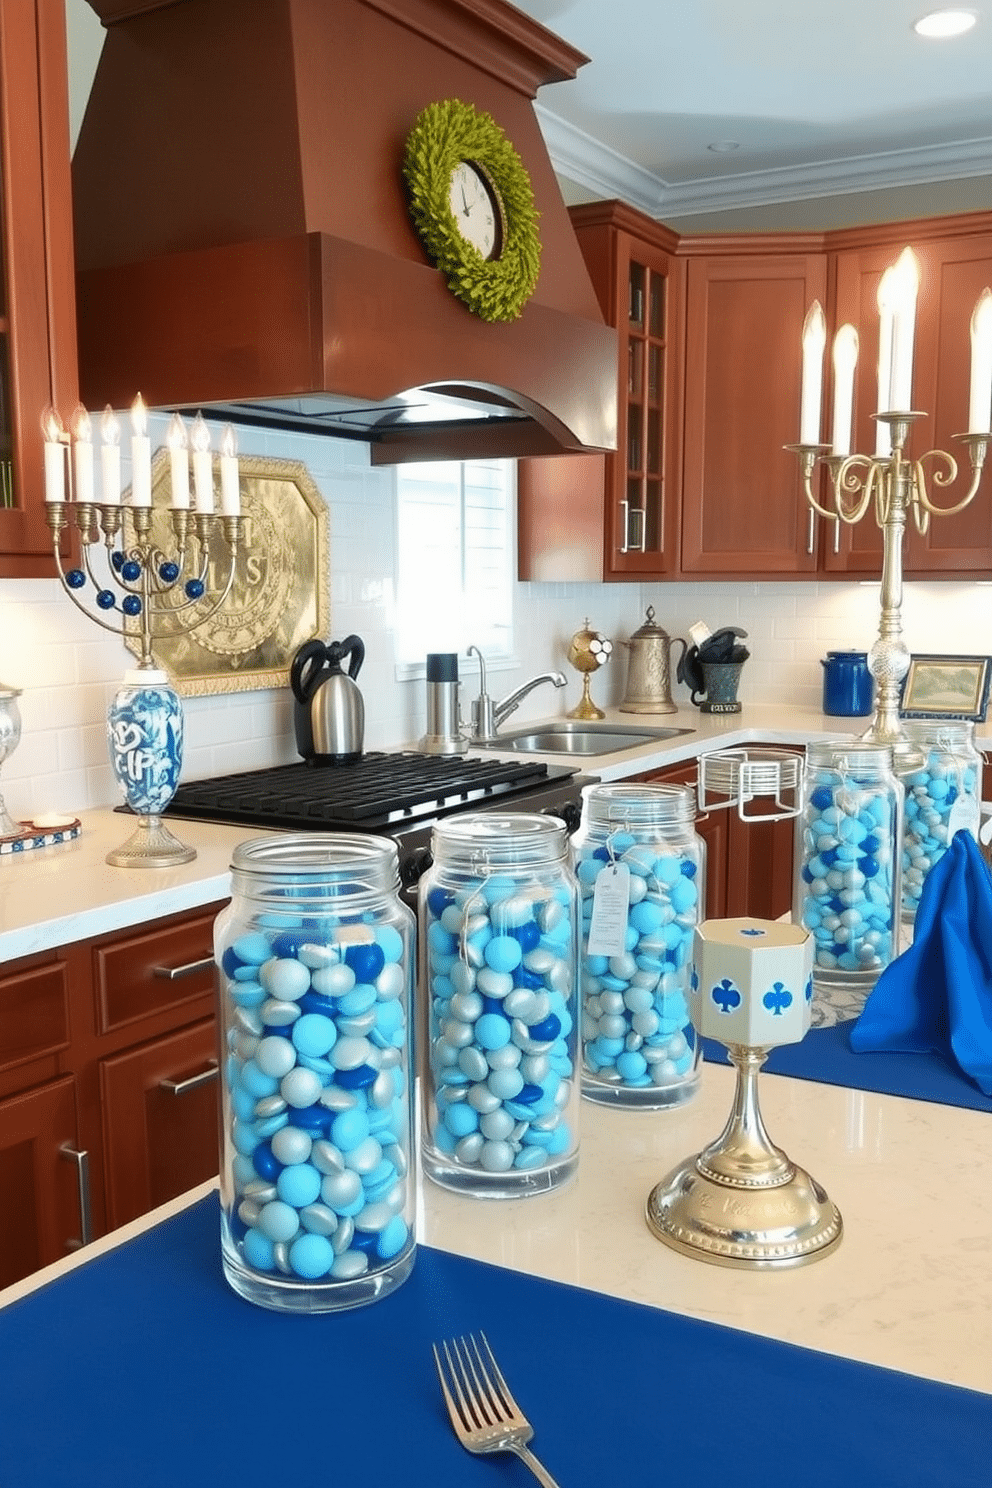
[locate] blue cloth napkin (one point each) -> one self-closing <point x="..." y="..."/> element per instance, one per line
<point x="937" y="996"/>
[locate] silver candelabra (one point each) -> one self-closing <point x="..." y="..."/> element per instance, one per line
<point x="891" y="484"/>
<point x="128" y="584"/>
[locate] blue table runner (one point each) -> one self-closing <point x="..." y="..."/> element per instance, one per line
<point x="825" y="1054"/>
<point x="143" y="1369"/>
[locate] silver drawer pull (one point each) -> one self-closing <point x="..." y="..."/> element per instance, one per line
<point x="82" y="1161"/>
<point x="182" y="1087"/>
<point x="173" y="973"/>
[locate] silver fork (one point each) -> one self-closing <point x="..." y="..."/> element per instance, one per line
<point x="484" y="1414"/>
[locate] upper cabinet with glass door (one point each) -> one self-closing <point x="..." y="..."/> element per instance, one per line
<point x="638" y="279"/>
<point x="37" y="293"/>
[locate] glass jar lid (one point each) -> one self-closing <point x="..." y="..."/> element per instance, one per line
<point x="315" y="867"/>
<point x="641" y="805"/>
<point x="849" y="756"/>
<point x="493" y="839"/>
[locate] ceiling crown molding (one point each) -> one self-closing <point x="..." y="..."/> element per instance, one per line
<point x="593" y="166"/>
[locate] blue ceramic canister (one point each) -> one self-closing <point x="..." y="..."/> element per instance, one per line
<point x="847" y="684"/>
<point x="943" y="796"/>
<point x="499" y="983"/>
<point x="642" y="872"/>
<point x="316" y="955"/>
<point x="145" y="735"/>
<point x="848" y="890"/>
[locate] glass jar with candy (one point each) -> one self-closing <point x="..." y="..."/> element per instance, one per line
<point x="943" y="796"/>
<point x="499" y="976"/>
<point x="849" y="847"/>
<point x="316" y="954"/>
<point x="641" y="869"/>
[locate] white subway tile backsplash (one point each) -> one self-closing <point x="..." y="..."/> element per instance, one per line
<point x="69" y="669"/>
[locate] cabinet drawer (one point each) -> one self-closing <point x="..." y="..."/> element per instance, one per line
<point x="166" y="966"/>
<point x="34" y="1014"/>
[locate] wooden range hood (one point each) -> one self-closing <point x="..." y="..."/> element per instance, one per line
<point x="243" y="242"/>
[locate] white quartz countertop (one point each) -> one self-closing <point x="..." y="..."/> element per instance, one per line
<point x="908" y="1288"/>
<point x="52" y="896"/>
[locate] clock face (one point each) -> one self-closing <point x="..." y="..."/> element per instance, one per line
<point x="475" y="208"/>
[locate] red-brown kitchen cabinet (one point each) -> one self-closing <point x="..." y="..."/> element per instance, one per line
<point x="37" y="286"/>
<point x="955" y="262"/>
<point x="108" y="1084"/>
<point x="43" y="1183"/>
<point x="742" y="510"/>
<point x="160" y="1120"/>
<point x="616" y="516"/>
<point x="42" y="1169"/>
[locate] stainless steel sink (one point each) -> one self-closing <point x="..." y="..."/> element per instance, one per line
<point x="578" y="737"/>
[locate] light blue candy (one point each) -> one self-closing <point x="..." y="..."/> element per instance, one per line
<point x="503" y="953"/>
<point x="311" y="1256"/>
<point x="492" y="1031"/>
<point x="299" y="1185"/>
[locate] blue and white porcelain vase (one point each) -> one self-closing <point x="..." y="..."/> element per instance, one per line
<point x="145" y="735"/>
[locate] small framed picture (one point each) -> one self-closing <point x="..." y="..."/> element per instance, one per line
<point x="947" y="687"/>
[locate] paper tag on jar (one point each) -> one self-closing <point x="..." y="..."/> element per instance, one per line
<point x="610" y="907"/>
<point x="964" y="816"/>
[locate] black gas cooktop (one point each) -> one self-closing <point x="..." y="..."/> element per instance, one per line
<point x="379" y="793"/>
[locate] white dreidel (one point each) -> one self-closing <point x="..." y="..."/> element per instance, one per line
<point x="741" y="1201"/>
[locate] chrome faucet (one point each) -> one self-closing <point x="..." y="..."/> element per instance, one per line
<point x="487" y="715"/>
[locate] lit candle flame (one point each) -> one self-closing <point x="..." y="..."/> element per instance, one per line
<point x="177" y="438"/>
<point x="80" y="421"/>
<point x="139" y="417"/>
<point x="200" y="439"/>
<point x="52" y="426"/>
<point x="110" y="429"/>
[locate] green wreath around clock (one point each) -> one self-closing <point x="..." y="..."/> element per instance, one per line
<point x="444" y="135"/>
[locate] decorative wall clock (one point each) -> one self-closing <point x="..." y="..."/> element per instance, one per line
<point x="473" y="207"/>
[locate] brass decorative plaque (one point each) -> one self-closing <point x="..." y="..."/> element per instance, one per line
<point x="280" y="594"/>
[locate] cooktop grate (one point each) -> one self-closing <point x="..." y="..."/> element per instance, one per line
<point x="380" y="792"/>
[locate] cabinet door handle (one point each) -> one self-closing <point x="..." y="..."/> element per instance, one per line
<point x="811" y="531"/>
<point x="173" y="973"/>
<point x="625" y="508"/>
<point x="82" y="1161"/>
<point x="836" y="534"/>
<point x="182" y="1087"/>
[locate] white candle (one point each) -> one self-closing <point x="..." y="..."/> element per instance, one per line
<point x="814" y="340"/>
<point x="230" y="487"/>
<point x="141" y="455"/>
<point x="203" y="471"/>
<point x="178" y="463"/>
<point x="845" y="361"/>
<point x="906" y="286"/>
<point x="883" y="441"/>
<point x="980" y="401"/>
<point x="110" y="458"/>
<point x="82" y="453"/>
<point x="51" y="426"/>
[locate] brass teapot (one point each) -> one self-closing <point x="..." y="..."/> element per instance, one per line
<point x="649" y="673"/>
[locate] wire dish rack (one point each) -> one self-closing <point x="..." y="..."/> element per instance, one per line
<point x="763" y="784"/>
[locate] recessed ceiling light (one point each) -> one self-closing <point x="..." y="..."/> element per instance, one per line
<point x="724" y="147"/>
<point x="941" y="23"/>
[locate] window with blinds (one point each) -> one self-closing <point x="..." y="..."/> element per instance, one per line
<point x="454" y="585"/>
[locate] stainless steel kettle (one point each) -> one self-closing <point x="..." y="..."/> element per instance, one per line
<point x="649" y="673"/>
<point x="329" y="713"/>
